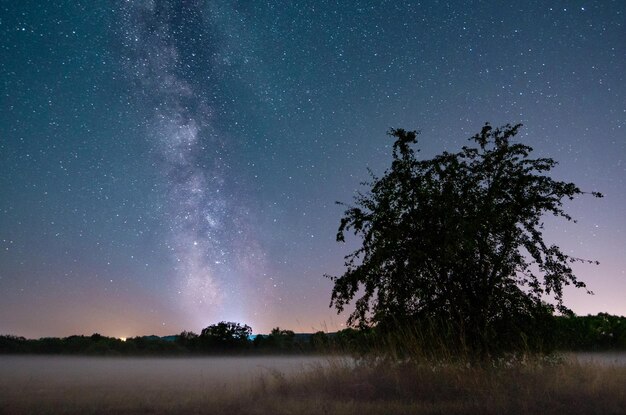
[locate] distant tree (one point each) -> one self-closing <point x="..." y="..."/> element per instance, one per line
<point x="78" y="344"/>
<point x="459" y="239"/>
<point x="355" y="341"/>
<point x="226" y="335"/>
<point x="187" y="339"/>
<point x="187" y="335"/>
<point x="319" y="341"/>
<point x="600" y="332"/>
<point x="259" y="341"/>
<point x="13" y="344"/>
<point x="280" y="339"/>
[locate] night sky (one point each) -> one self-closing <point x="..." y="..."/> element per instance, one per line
<point x="165" y="165"/>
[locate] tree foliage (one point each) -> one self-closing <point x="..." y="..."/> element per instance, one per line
<point x="226" y="335"/>
<point x="458" y="238"/>
<point x="278" y="340"/>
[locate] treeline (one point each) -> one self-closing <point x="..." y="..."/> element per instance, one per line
<point x="575" y="333"/>
<point x="587" y="333"/>
<point x="220" y="338"/>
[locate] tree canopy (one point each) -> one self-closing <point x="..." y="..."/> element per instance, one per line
<point x="226" y="334"/>
<point x="458" y="238"/>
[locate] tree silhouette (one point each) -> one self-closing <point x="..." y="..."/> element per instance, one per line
<point x="458" y="238"/>
<point x="226" y="335"/>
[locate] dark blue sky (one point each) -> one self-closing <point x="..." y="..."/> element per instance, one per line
<point x="165" y="165"/>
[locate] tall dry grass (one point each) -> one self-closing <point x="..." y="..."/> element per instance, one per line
<point x="366" y="386"/>
<point x="530" y="387"/>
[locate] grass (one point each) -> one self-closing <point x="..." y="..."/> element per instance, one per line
<point x="370" y="386"/>
<point x="426" y="389"/>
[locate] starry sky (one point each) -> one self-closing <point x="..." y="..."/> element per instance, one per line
<point x="165" y="165"/>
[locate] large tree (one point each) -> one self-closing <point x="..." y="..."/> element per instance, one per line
<point x="458" y="238"/>
<point x="226" y="335"/>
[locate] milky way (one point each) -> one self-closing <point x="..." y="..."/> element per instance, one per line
<point x="168" y="164"/>
<point x="217" y="261"/>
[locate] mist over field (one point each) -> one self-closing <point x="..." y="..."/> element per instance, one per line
<point x="45" y="373"/>
<point x="33" y="383"/>
<point x="100" y="385"/>
<point x="617" y="358"/>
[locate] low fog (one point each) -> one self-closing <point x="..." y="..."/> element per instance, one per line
<point x="104" y="379"/>
<point x="138" y="371"/>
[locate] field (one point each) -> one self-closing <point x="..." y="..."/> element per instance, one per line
<point x="308" y="385"/>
